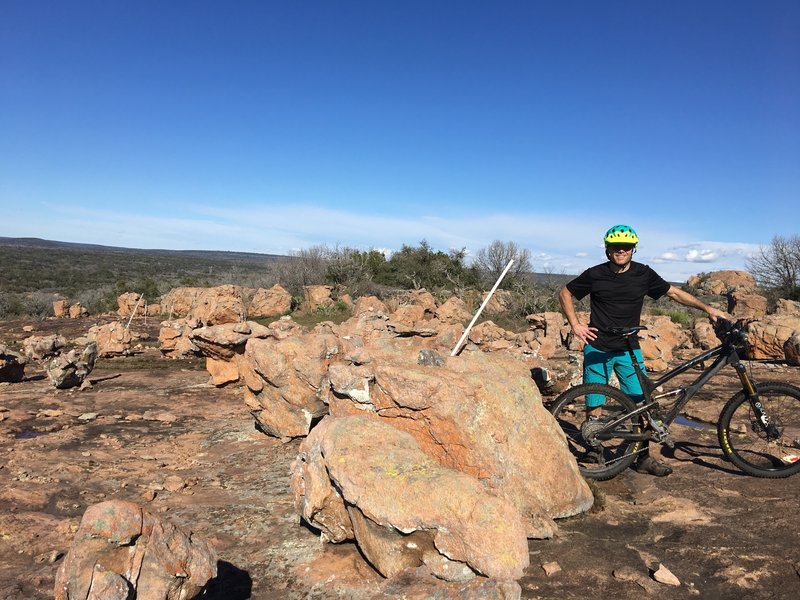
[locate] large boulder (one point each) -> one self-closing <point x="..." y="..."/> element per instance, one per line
<point x="423" y="298"/>
<point x="703" y="335"/>
<point x="500" y="301"/>
<point x="767" y="336"/>
<point x="219" y="305"/>
<point x="787" y="308"/>
<point x="477" y="413"/>
<point x="180" y="302"/>
<point x="791" y="349"/>
<point x="174" y="338"/>
<point x="549" y="332"/>
<point x="77" y="311"/>
<point x="131" y="302"/>
<point x="112" y="339"/>
<point x="368" y="304"/>
<point x="211" y="306"/>
<point x="121" y="551"/>
<point x="267" y="303"/>
<point x="316" y="296"/>
<point x="658" y="341"/>
<point x="37" y="347"/>
<point x="70" y="369"/>
<point x="721" y="282"/>
<point x="283" y="378"/>
<point x="224" y="347"/>
<point x="359" y="478"/>
<point x="454" y="310"/>
<point x="60" y="308"/>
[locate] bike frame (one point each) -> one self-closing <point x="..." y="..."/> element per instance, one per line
<point x="724" y="354"/>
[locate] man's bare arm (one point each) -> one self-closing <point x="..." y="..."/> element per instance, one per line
<point x="584" y="332"/>
<point x="685" y="298"/>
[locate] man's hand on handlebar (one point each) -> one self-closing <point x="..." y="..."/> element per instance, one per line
<point x="715" y="313"/>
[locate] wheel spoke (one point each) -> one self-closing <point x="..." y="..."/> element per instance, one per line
<point x="766" y="451"/>
<point x="598" y="458"/>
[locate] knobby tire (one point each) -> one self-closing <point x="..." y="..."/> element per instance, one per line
<point x="614" y="455"/>
<point x="772" y="452"/>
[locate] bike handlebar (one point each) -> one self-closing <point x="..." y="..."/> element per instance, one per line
<point x="728" y="331"/>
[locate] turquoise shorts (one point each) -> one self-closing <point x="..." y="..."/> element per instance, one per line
<point x="597" y="368"/>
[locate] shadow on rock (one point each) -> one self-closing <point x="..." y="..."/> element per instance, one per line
<point x="697" y="454"/>
<point x="231" y="583"/>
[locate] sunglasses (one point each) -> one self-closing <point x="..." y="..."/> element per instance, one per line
<point x="623" y="247"/>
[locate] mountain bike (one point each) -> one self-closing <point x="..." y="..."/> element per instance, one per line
<point x="758" y="428"/>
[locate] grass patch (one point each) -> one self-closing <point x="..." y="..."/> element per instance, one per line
<point x="142" y="362"/>
<point x="599" y="496"/>
<point x="676" y="315"/>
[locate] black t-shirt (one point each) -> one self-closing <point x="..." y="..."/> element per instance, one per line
<point x="616" y="299"/>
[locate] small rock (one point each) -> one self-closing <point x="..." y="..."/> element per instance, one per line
<point x="665" y="576"/>
<point x="149" y="495"/>
<point x="90" y="416"/>
<point x="174" y="483"/>
<point x="166" y="417"/>
<point x="51" y="412"/>
<point x="551" y="568"/>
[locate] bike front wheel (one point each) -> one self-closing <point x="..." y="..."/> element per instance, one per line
<point x="763" y="450"/>
<point x="609" y="449"/>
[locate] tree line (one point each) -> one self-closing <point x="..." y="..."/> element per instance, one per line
<point x="33" y="277"/>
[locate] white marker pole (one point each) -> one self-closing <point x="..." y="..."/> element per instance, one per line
<point x="480" y="310"/>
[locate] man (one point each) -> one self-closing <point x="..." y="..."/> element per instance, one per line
<point x="617" y="289"/>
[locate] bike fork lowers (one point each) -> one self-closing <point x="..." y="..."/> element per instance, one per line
<point x="752" y="394"/>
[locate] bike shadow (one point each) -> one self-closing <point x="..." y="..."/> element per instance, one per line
<point x="699" y="454"/>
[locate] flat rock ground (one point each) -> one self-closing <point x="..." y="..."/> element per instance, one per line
<point x="154" y="431"/>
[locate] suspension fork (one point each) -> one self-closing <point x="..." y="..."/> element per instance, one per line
<point x="750" y="392"/>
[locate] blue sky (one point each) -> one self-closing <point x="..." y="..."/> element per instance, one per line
<point x="273" y="126"/>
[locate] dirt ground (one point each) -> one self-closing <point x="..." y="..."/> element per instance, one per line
<point x="154" y="431"/>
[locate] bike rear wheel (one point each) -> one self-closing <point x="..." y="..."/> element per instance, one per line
<point x="772" y="451"/>
<point x="598" y="458"/>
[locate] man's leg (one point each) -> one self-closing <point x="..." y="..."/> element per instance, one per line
<point x="596" y="369"/>
<point x="629" y="383"/>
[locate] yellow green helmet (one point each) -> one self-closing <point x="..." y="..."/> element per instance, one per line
<point x="621" y="234"/>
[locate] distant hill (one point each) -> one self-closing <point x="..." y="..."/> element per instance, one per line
<point x="203" y="254"/>
<point x="94" y="273"/>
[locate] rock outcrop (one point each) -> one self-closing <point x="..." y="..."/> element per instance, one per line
<point x="658" y="341"/>
<point x="112" y="339"/>
<point x="767" y="336"/>
<point x="358" y="478"/>
<point x="37" y="347"/>
<point x="791" y="349"/>
<point x="224" y="348"/>
<point x="122" y="551"/>
<point x="174" y="338"/>
<point x="316" y="296"/>
<point x="268" y="303"/>
<point x="283" y="379"/>
<point x="132" y="302"/>
<point x="210" y="306"/>
<point x="470" y="413"/>
<point x="71" y="370"/>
